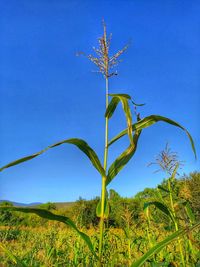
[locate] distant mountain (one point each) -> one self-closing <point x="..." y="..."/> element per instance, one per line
<point x="59" y="205"/>
<point x="18" y="204"/>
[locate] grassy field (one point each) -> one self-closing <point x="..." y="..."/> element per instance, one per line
<point x="56" y="245"/>
<point x="135" y="227"/>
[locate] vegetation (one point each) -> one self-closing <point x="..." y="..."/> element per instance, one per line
<point x="128" y="234"/>
<point x="131" y="217"/>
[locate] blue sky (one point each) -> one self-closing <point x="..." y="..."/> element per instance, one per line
<point x="48" y="94"/>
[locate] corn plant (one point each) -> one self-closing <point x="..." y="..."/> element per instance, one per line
<point x="106" y="64"/>
<point x="169" y="163"/>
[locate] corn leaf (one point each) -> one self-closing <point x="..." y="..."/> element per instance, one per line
<point x="12" y="257"/>
<point x="114" y="102"/>
<point x="112" y="106"/>
<point x="81" y="144"/>
<point x="162" y="207"/>
<point x="51" y="216"/>
<point x="123" y="159"/>
<point x="163" y="244"/>
<point x="150" y="120"/>
<point x="138" y="105"/>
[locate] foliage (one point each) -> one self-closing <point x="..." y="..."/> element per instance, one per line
<point x="84" y="212"/>
<point x="128" y="209"/>
<point x="191" y="190"/>
<point x="48" y="245"/>
<point x="48" y="206"/>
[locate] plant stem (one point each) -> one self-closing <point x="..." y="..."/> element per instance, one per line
<point x="129" y="243"/>
<point x="149" y="236"/>
<point x="148" y="227"/>
<point x="129" y="252"/>
<point x="103" y="187"/>
<point x="106" y="130"/>
<point x="175" y="220"/>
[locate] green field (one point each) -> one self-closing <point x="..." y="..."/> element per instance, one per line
<point x="130" y="231"/>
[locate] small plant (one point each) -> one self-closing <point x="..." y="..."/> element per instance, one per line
<point x="105" y="64"/>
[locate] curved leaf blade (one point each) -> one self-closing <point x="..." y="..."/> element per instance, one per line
<point x="123" y="159"/>
<point x="163" y="244"/>
<point x="81" y="144"/>
<point x="121" y="95"/>
<point x="21" y="160"/>
<point x="51" y="216"/>
<point x="162" y="207"/>
<point x="137" y="105"/>
<point x="150" y="120"/>
<point x="111" y="107"/>
<point x="123" y="98"/>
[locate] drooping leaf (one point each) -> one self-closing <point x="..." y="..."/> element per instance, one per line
<point x="161" y="206"/>
<point x="163" y="244"/>
<point x="81" y="144"/>
<point x="114" y="102"/>
<point x="123" y="159"/>
<point x="15" y="260"/>
<point x="138" y="105"/>
<point x="51" y="216"/>
<point x="150" y="120"/>
<point x="112" y="106"/>
<point x="121" y="95"/>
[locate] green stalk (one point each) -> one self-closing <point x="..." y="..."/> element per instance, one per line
<point x="151" y="244"/>
<point x="129" y="246"/>
<point x="175" y="220"/>
<point x="103" y="187"/>
<point x="129" y="252"/>
<point x="148" y="227"/>
<point x="191" y="249"/>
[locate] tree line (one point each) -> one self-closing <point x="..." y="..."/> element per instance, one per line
<point x="122" y="210"/>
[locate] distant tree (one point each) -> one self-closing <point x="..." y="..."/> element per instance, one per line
<point x="6" y="203"/>
<point x="193" y="183"/>
<point x="84" y="211"/>
<point x="115" y="208"/>
<point x="147" y="193"/>
<point x="120" y="207"/>
<point x="113" y="195"/>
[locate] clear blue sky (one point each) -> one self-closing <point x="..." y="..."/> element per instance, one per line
<point x="48" y="94"/>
